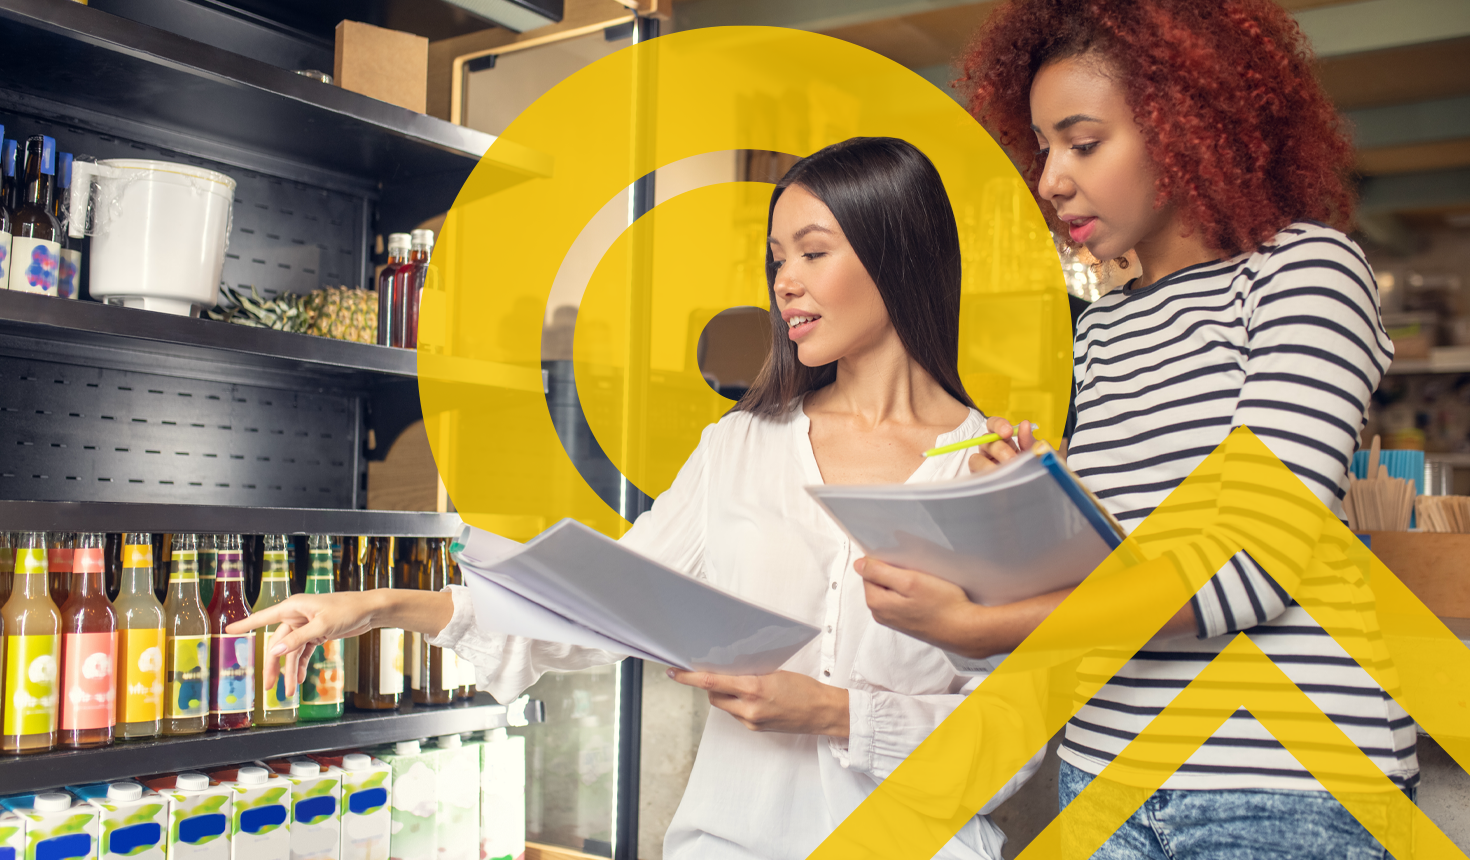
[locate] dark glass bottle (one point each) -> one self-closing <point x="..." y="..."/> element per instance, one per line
<point x="466" y="688"/>
<point x="112" y="557"/>
<point x="350" y="552"/>
<point x="59" y="549"/>
<point x="321" y="692"/>
<point x="68" y="272"/>
<point x="32" y="652"/>
<point x="231" y="656"/>
<point x="8" y="186"/>
<point x="379" y="651"/>
<point x="35" y="243"/>
<point x="408" y="285"/>
<point x="88" y="652"/>
<point x="7" y="183"/>
<point x="398" y="249"/>
<point x="435" y="672"/>
<point x="186" y="710"/>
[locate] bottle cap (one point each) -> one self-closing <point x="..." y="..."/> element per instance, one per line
<point x="356" y="761"/>
<point x="399" y="241"/>
<point x="424" y="237"/>
<point x="449" y="741"/>
<point x="305" y="768"/>
<point x="53" y="801"/>
<point x="191" y="782"/>
<point x="252" y="775"/>
<point x="407" y="748"/>
<point x="124" y="791"/>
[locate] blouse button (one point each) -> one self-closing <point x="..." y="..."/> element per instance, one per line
<point x="826" y="673"/>
<point x="829" y="628"/>
<point x="834" y="583"/>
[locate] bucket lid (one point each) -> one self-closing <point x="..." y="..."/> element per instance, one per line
<point x="155" y="166"/>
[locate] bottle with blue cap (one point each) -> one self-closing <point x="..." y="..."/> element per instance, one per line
<point x="35" y="244"/>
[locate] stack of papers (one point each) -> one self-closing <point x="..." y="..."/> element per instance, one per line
<point x="574" y="585"/>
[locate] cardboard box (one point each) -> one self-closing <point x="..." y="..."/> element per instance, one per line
<point x="260" y="814"/>
<point x="12" y="833"/>
<point x="367" y="811"/>
<point x="386" y="64"/>
<point x="415" y="801"/>
<point x="457" y="825"/>
<point x="56" y="824"/>
<point x="131" y="819"/>
<point x="1432" y="565"/>
<point x="198" y="815"/>
<point x="316" y="796"/>
<point x="502" y="796"/>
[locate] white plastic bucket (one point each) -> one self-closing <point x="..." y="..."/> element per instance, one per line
<point x="159" y="231"/>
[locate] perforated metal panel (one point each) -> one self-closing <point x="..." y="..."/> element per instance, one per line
<point x="70" y="433"/>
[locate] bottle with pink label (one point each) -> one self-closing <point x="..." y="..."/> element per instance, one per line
<point x="88" y="652"/>
<point x="35" y="243"/>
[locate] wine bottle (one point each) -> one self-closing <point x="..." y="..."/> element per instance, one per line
<point x="379" y="651"/>
<point x="435" y="671"/>
<point x="35" y="242"/>
<point x="69" y="268"/>
<point x="88" y="651"/>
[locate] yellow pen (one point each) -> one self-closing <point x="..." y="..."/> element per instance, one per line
<point x="978" y="440"/>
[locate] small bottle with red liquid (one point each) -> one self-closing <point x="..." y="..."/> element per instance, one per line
<point x="408" y="287"/>
<point x="231" y="656"/>
<point x="399" y="245"/>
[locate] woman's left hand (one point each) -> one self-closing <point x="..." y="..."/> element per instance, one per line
<point x="922" y="605"/>
<point x="787" y="702"/>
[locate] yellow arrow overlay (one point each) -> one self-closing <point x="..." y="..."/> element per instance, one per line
<point x="1241" y="497"/>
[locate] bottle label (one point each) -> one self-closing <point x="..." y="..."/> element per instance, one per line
<point x="186" y="565"/>
<point x="137" y="555"/>
<point x="89" y="691"/>
<point x="33" y="265"/>
<point x="59" y="560"/>
<point x="390" y="660"/>
<point x="30" y="562"/>
<point x="66" y="273"/>
<point x="88" y="560"/>
<point x="349" y="665"/>
<point x="275" y="695"/>
<point x="30" y="684"/>
<point x="449" y="673"/>
<point x="274" y="567"/>
<point x="144" y="678"/>
<point x="188" y="676"/>
<point x="416" y="680"/>
<point x="234" y="671"/>
<point x="324" y="675"/>
<point x="4" y="258"/>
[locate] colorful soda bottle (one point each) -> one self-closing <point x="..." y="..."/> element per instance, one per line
<point x="32" y="653"/>
<point x="59" y="549"/>
<point x="140" y="642"/>
<point x="379" y="651"/>
<point x="88" y="651"/>
<point x="186" y="645"/>
<point x="434" y="673"/>
<point x="231" y="656"/>
<point x="272" y="706"/>
<point x="207" y="565"/>
<point x="321" y="692"/>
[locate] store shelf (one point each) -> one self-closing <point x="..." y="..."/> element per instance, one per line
<point x="225" y="106"/>
<point x="45" y="324"/>
<point x="356" y="729"/>
<point x="121" y="517"/>
<point x="1441" y="360"/>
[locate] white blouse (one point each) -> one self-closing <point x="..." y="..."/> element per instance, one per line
<point x="738" y="517"/>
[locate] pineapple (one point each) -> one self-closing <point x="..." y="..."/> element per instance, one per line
<point x="343" y="313"/>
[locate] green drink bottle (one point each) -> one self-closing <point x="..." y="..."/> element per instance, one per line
<point x="321" y="692"/>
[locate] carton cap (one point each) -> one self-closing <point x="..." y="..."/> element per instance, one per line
<point x="450" y="741"/>
<point x="356" y="761"/>
<point x="407" y="748"/>
<point x="124" y="791"/>
<point x="251" y="775"/>
<point x="305" y="768"/>
<point x="53" y="801"/>
<point x="191" y="782"/>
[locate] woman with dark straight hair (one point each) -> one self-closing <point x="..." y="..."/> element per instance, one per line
<point x="864" y="273"/>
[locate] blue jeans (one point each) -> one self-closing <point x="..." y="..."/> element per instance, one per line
<point x="1237" y="824"/>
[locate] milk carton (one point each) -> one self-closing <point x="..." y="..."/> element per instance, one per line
<point x="316" y="794"/>
<point x="198" y="816"/>
<point x="131" y="819"/>
<point x="457" y="826"/>
<point x="12" y="836"/>
<point x="57" y="825"/>
<point x="502" y="796"/>
<point x="415" y="800"/>
<point x="260" y="825"/>
<point x="367" y="814"/>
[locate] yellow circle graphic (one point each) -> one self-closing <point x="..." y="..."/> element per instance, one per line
<point x="481" y="378"/>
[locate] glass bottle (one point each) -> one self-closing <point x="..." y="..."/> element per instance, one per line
<point x="70" y="265"/>
<point x="272" y="706"/>
<point x="7" y="181"/>
<point x="434" y="671"/>
<point x="9" y="188"/>
<point x="231" y="656"/>
<point x="162" y="552"/>
<point x="7" y="566"/>
<point x="88" y="652"/>
<point x="406" y="575"/>
<point x="112" y="557"/>
<point x="35" y="247"/>
<point x="59" y="549"/>
<point x="398" y="249"/>
<point x="140" y="643"/>
<point x="207" y="566"/>
<point x="321" y="692"/>
<point x="379" y="651"/>
<point x="350" y="552"/>
<point x="186" y="690"/>
<point x="466" y="688"/>
<point x="408" y="284"/>
<point x="32" y="652"/>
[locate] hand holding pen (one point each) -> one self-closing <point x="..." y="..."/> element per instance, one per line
<point x="1002" y="443"/>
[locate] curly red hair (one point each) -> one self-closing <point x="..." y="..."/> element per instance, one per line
<point x="1241" y="134"/>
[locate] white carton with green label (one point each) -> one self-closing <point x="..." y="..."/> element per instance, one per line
<point x="12" y="836"/>
<point x="502" y="796"/>
<point x="56" y="825"/>
<point x="316" y="795"/>
<point x="367" y="811"/>
<point x="198" y="816"/>
<point x="260" y="816"/>
<point x="415" y="801"/>
<point x="457" y="825"/>
<point x="131" y="820"/>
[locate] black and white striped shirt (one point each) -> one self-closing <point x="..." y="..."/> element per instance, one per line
<point x="1288" y="341"/>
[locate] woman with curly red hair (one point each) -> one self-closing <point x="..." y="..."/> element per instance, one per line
<point x="1195" y="135"/>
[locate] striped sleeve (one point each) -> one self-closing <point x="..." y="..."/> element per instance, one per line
<point x="1316" y="351"/>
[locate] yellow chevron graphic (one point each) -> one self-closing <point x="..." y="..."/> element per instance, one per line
<point x="1241" y="497"/>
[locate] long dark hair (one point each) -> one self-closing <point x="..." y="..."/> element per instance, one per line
<point x="891" y="204"/>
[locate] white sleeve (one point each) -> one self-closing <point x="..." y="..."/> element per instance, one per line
<point x="673" y="532"/>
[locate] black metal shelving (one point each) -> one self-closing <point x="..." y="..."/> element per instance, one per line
<point x="356" y="730"/>
<point x="220" y="519"/>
